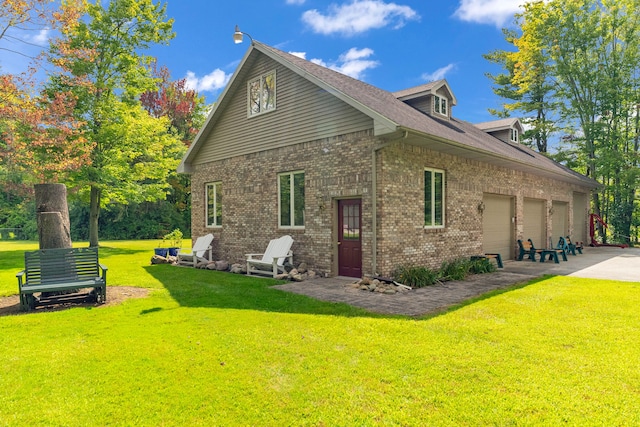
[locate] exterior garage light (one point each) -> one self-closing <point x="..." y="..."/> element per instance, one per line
<point x="237" y="36"/>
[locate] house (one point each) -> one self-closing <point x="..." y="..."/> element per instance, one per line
<point x="364" y="179"/>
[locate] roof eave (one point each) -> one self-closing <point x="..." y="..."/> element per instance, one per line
<point x="463" y="150"/>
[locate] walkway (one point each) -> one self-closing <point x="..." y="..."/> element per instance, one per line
<point x="597" y="263"/>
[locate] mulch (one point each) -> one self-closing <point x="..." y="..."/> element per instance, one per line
<point x="115" y="295"/>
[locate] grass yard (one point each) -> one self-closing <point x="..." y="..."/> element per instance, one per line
<point x="209" y="348"/>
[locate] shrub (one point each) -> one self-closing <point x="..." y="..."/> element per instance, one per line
<point x="416" y="277"/>
<point x="456" y="269"/>
<point x="481" y="266"/>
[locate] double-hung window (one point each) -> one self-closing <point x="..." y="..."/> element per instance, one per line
<point x="440" y="105"/>
<point x="213" y="202"/>
<point x="433" y="198"/>
<point x="514" y="135"/>
<point x="291" y="199"/>
<point x="262" y="94"/>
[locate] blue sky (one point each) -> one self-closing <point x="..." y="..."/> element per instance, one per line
<point x="389" y="44"/>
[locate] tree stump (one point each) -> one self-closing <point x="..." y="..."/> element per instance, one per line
<point x="53" y="221"/>
<point x="52" y="232"/>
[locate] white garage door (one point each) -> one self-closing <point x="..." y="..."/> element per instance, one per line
<point x="560" y="221"/>
<point x="580" y="211"/>
<point x="534" y="222"/>
<point x="497" y="225"/>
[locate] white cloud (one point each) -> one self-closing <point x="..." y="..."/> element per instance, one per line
<point x="215" y="80"/>
<point x="353" y="63"/>
<point x="496" y="12"/>
<point x="358" y="16"/>
<point x="438" y="74"/>
<point x="295" y="1"/>
<point x="42" y="37"/>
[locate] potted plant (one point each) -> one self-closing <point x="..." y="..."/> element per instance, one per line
<point x="174" y="241"/>
<point x="169" y="244"/>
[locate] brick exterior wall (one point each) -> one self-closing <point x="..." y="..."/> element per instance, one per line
<point x="341" y="167"/>
<point x="338" y="167"/>
<point x="402" y="239"/>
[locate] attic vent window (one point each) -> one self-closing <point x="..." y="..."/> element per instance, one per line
<point x="440" y="105"/>
<point x="262" y="94"/>
<point x="514" y="135"/>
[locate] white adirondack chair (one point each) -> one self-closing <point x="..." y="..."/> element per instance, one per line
<point x="197" y="252"/>
<point x="271" y="262"/>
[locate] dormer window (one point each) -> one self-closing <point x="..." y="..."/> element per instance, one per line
<point x="262" y="94"/>
<point x="432" y="99"/>
<point x="440" y="105"/>
<point x="514" y="135"/>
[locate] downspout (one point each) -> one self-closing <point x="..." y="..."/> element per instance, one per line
<point x="374" y="201"/>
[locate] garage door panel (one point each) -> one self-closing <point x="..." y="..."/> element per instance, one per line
<point x="559" y="220"/>
<point x="497" y="225"/>
<point x="534" y="222"/>
<point x="580" y="211"/>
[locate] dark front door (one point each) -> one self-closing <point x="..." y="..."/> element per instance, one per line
<point x="349" y="238"/>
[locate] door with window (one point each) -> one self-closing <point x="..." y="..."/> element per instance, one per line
<point x="350" y="238"/>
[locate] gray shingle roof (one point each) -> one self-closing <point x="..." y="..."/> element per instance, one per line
<point x="497" y="124"/>
<point x="417" y="89"/>
<point x="386" y="107"/>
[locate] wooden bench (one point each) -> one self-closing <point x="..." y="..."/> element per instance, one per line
<point x="528" y="248"/>
<point x="552" y="253"/>
<point x="573" y="247"/>
<point x="497" y="257"/>
<point x="562" y="245"/>
<point x="54" y="270"/>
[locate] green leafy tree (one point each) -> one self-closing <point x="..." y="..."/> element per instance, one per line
<point x="103" y="65"/>
<point x="184" y="107"/>
<point x="590" y="53"/>
<point x="186" y="111"/>
<point x="40" y="138"/>
<point x="527" y="87"/>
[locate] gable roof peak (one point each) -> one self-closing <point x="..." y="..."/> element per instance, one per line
<point x="426" y="89"/>
<point x="500" y="124"/>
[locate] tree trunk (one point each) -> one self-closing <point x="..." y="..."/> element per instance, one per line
<point x="53" y="216"/>
<point x="94" y="215"/>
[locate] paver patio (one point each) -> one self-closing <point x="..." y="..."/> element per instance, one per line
<point x="597" y="263"/>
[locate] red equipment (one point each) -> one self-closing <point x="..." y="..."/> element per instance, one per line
<point x="592" y="231"/>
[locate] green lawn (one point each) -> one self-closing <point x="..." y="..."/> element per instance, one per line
<point x="209" y="348"/>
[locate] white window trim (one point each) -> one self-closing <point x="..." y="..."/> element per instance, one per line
<point x="216" y="185"/>
<point x="291" y="202"/>
<point x="260" y="79"/>
<point x="441" y="100"/>
<point x="433" y="204"/>
<point x="515" y="135"/>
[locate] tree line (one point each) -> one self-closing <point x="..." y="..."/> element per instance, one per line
<point x="573" y="73"/>
<point x="107" y="121"/>
<point x="112" y="125"/>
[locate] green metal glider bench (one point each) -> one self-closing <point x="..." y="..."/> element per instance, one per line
<point x="55" y="270"/>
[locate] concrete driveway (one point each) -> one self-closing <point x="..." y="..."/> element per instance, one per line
<point x="595" y="263"/>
